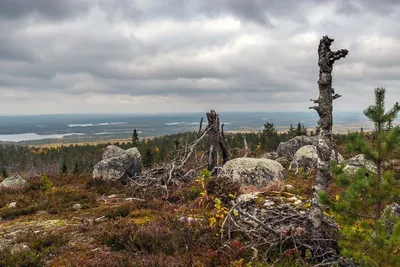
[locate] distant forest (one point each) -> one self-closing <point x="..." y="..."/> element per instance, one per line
<point x="31" y="160"/>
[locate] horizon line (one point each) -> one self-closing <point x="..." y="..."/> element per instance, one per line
<point x="172" y="113"/>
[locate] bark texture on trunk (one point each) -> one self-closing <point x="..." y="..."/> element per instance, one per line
<point x="326" y="59"/>
<point x="216" y="139"/>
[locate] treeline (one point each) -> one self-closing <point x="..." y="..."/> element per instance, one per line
<point x="29" y="160"/>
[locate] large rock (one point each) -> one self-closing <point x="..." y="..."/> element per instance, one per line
<point x="289" y="148"/>
<point x="112" y="151"/>
<point x="13" y="182"/>
<point x="307" y="157"/>
<point x="355" y="163"/>
<point x="118" y="164"/>
<point x="252" y="171"/>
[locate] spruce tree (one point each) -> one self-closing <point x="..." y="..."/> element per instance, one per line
<point x="298" y="129"/>
<point x="135" y="138"/>
<point x="367" y="235"/>
<point x="64" y="167"/>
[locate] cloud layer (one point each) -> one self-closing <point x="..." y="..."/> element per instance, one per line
<point x="89" y="56"/>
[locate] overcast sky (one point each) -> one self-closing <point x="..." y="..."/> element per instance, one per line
<point x="141" y="56"/>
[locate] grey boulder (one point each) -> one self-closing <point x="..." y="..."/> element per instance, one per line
<point x="13" y="182"/>
<point x="252" y="171"/>
<point x="357" y="162"/>
<point x="118" y="164"/>
<point x="307" y="157"/>
<point x="289" y="148"/>
<point x="112" y="151"/>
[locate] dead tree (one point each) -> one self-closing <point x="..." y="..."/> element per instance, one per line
<point x="326" y="58"/>
<point x="216" y="140"/>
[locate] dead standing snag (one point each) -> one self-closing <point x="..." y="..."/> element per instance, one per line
<point x="216" y="139"/>
<point x="326" y="58"/>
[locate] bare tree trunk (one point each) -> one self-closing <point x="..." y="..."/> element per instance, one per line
<point x="379" y="174"/>
<point x="216" y="139"/>
<point x="213" y="137"/>
<point x="326" y="58"/>
<point x="226" y="154"/>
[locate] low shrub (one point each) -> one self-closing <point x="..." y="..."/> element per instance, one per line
<point x="62" y="199"/>
<point x="223" y="188"/>
<point x="121" y="211"/>
<point x="39" y="246"/>
<point x="103" y="187"/>
<point x="23" y="258"/>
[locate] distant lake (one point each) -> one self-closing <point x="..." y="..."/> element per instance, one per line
<point x="32" y="136"/>
<point x="35" y="129"/>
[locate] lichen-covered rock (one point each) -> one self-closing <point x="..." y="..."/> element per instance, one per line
<point x="248" y="197"/>
<point x="307" y="157"/>
<point x="19" y="248"/>
<point x="289" y="148"/>
<point x="13" y="182"/>
<point x="355" y="163"/>
<point x="117" y="165"/>
<point x="252" y="171"/>
<point x="112" y="151"/>
<point x="76" y="206"/>
<point x="289" y="188"/>
<point x="394" y="209"/>
<point x="390" y="215"/>
<point x="12" y="205"/>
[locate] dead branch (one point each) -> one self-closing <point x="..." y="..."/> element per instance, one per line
<point x="246" y="148"/>
<point x="275" y="225"/>
<point x="200" y="125"/>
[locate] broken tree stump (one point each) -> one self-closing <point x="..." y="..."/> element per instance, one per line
<point x="326" y="59"/>
<point x="216" y="141"/>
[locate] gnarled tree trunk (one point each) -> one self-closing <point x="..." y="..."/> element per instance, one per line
<point x="216" y="141"/>
<point x="326" y="58"/>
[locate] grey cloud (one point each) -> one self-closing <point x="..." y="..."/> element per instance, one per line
<point x="48" y="9"/>
<point x="236" y="52"/>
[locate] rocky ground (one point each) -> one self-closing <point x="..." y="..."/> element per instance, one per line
<point x="79" y="222"/>
<point x="254" y="212"/>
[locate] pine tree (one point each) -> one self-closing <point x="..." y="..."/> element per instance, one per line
<point x="269" y="136"/>
<point x="135" y="138"/>
<point x="366" y="235"/>
<point x="148" y="159"/>
<point x="269" y="129"/>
